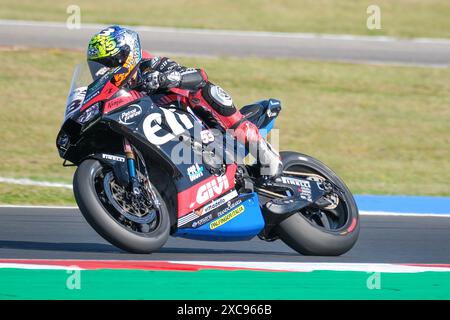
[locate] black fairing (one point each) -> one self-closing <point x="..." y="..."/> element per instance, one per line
<point x="144" y="131"/>
<point x="155" y="131"/>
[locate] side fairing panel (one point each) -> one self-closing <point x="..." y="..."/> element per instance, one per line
<point x="238" y="219"/>
<point x="204" y="191"/>
<point x="166" y="131"/>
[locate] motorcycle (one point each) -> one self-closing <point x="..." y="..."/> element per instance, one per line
<point x="133" y="189"/>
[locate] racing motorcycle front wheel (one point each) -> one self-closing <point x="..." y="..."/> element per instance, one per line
<point x="137" y="223"/>
<point x="319" y="231"/>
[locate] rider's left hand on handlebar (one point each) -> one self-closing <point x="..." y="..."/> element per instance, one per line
<point x="152" y="80"/>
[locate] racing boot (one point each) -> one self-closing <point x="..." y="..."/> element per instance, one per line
<point x="267" y="158"/>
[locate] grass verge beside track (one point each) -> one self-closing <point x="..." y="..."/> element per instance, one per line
<point x="216" y="285"/>
<point x="384" y="129"/>
<point x="19" y="195"/>
<point x="404" y="18"/>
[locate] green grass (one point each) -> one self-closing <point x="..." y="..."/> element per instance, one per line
<point x="404" y="18"/>
<point x="19" y="195"/>
<point x="384" y="129"/>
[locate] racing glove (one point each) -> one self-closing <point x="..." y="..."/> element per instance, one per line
<point x="154" y="80"/>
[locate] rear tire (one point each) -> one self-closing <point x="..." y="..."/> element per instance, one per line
<point x="300" y="233"/>
<point x="103" y="222"/>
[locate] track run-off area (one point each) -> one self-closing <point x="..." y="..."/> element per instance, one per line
<point x="403" y="252"/>
<point x="202" y="42"/>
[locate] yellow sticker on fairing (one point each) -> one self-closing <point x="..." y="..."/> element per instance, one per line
<point x="233" y="214"/>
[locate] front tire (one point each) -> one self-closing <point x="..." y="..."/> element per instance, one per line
<point x="301" y="233"/>
<point x="99" y="215"/>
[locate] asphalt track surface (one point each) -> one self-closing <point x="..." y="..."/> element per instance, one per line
<point x="377" y="50"/>
<point x="37" y="233"/>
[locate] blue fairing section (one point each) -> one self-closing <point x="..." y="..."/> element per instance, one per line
<point x="265" y="130"/>
<point x="242" y="222"/>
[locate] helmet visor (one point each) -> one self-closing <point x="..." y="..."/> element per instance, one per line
<point x="98" y="69"/>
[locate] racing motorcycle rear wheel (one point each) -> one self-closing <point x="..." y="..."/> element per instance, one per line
<point x="137" y="224"/>
<point x="329" y="231"/>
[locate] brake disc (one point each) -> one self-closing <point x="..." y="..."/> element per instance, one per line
<point x="137" y="210"/>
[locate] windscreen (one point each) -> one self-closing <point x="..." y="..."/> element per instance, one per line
<point x="84" y="74"/>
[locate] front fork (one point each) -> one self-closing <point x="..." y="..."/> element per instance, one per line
<point x="131" y="164"/>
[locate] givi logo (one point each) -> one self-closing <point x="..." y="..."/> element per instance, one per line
<point x="212" y="188"/>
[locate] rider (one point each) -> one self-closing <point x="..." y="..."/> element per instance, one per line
<point x="116" y="46"/>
